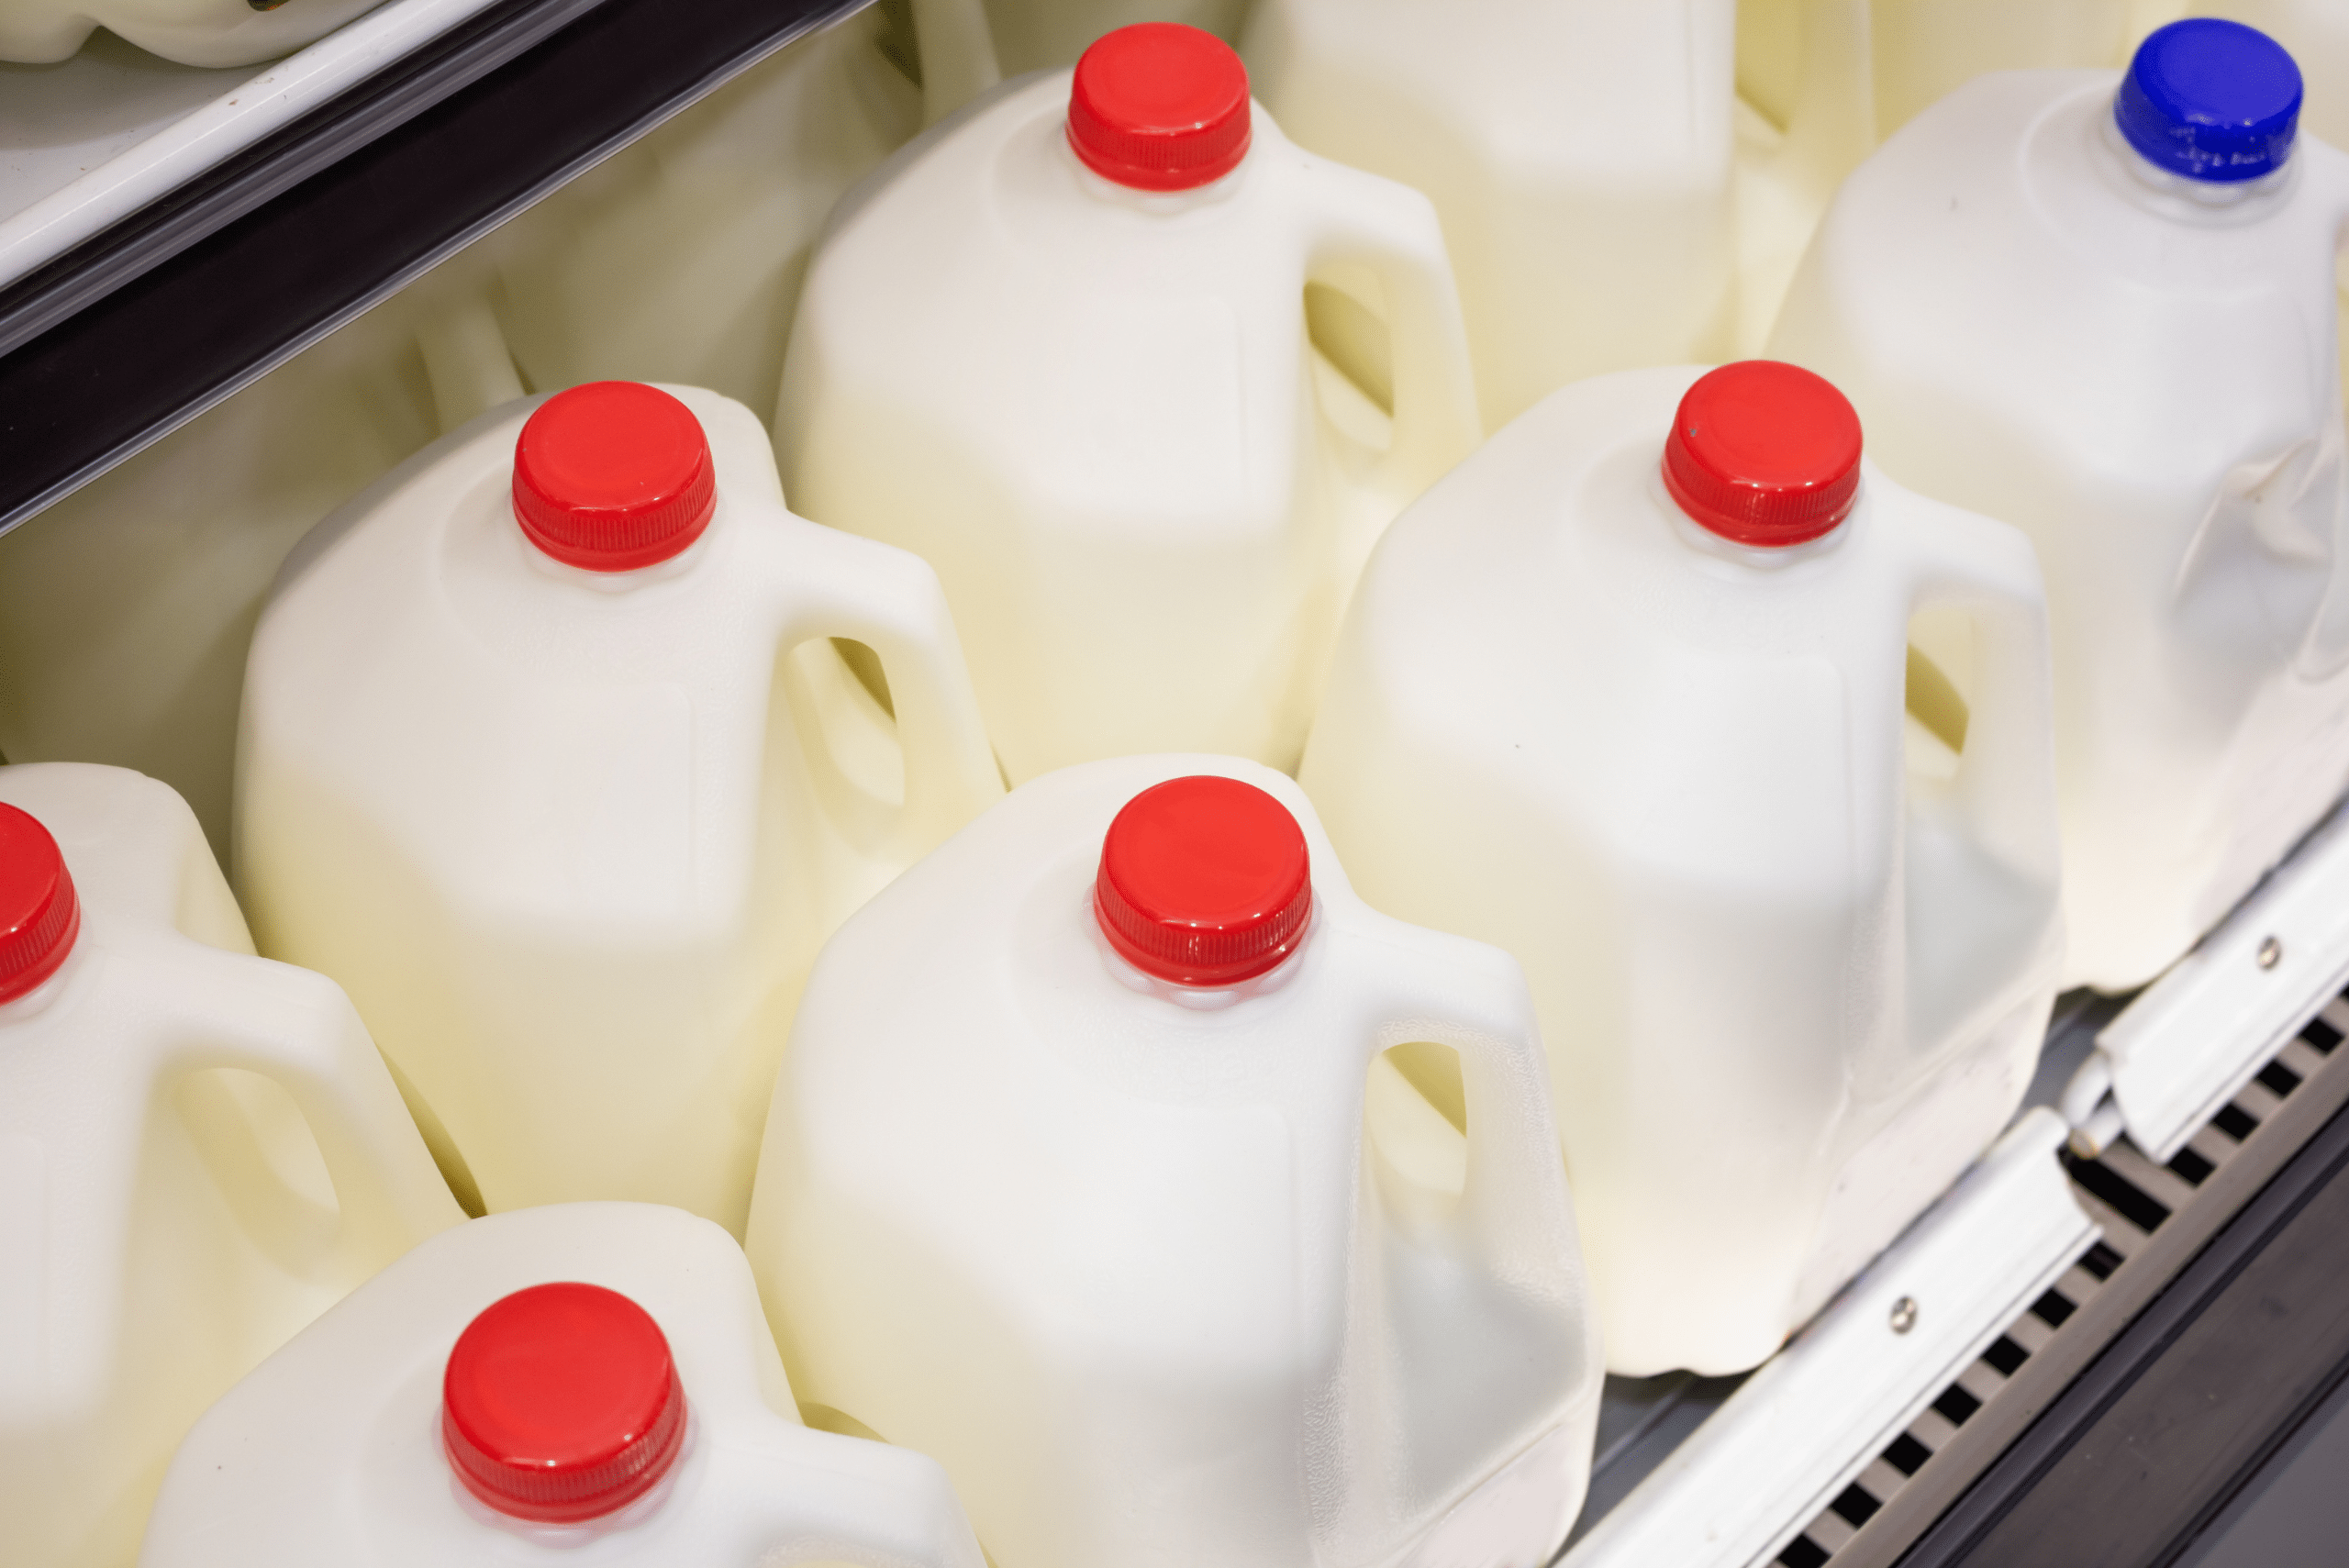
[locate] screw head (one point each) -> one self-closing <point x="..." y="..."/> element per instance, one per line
<point x="2271" y="953"/>
<point x="1904" y="1314"/>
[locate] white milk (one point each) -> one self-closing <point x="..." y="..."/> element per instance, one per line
<point x="2137" y="369"/>
<point x="193" y="32"/>
<point x="1168" y="1272"/>
<point x="1793" y="954"/>
<point x="1091" y="406"/>
<point x="553" y="1331"/>
<point x="570" y="836"/>
<point x="1821" y="82"/>
<point x="199" y="1152"/>
<point x="1579" y="152"/>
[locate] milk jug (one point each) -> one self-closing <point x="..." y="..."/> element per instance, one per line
<point x="1098" y="1172"/>
<point x="193" y="32"/>
<point x="2104" y="312"/>
<point x="1579" y="152"/>
<point x="1821" y="82"/>
<point x="545" y="756"/>
<point x="585" y="1383"/>
<point x="1743" y="750"/>
<point x="1057" y="347"/>
<point x="199" y="1152"/>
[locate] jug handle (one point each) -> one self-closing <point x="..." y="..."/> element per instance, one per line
<point x="1393" y="231"/>
<point x="1988" y="571"/>
<point x="890" y="600"/>
<point x="878" y="1503"/>
<point x="1473" y="998"/>
<point x="297" y="1029"/>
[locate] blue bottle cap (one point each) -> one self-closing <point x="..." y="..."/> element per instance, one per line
<point x="2211" y="100"/>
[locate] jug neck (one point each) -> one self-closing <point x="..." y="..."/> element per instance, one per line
<point x="33" y="1003"/>
<point x="1156" y="203"/>
<point x="1762" y="560"/>
<point x="2178" y="198"/>
<point x="1205" y="998"/>
<point x="621" y="582"/>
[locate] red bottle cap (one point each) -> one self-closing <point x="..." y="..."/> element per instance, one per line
<point x="612" y="476"/>
<point x="560" y="1404"/>
<point x="1764" y="454"/>
<point x="1204" y="881"/>
<point x="1160" y="106"/>
<point x="40" y="915"/>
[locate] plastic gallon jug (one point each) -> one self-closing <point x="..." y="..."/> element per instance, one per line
<point x="2107" y="316"/>
<point x="199" y="1152"/>
<point x="1097" y="1170"/>
<point x="1624" y="694"/>
<point x="546" y="758"/>
<point x="585" y="1382"/>
<point x="1083" y="307"/>
<point x="1579" y="152"/>
<point x="193" y="32"/>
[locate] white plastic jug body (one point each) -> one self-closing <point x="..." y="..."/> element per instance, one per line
<point x="1791" y="984"/>
<point x="192" y="32"/>
<point x="571" y="839"/>
<point x="2033" y="326"/>
<point x="1116" y="1251"/>
<point x="199" y="1152"/>
<point x="1092" y="409"/>
<point x="333" y="1449"/>
<point x="1579" y="155"/>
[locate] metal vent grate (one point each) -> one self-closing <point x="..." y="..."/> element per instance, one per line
<point x="2137" y="1205"/>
